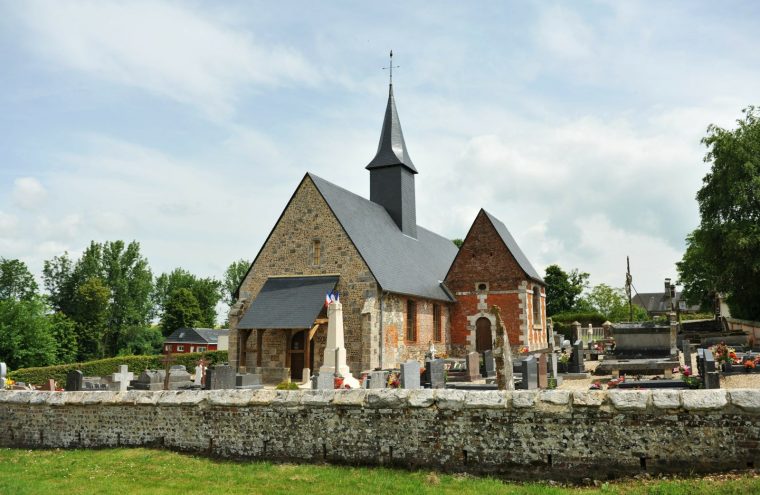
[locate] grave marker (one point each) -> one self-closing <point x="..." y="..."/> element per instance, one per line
<point x="435" y="373"/>
<point x="326" y="380"/>
<point x="473" y="366"/>
<point x="543" y="380"/>
<point x="489" y="363"/>
<point x="221" y="376"/>
<point x="378" y="379"/>
<point x="49" y="385"/>
<point x="410" y="375"/>
<point x="122" y="378"/>
<point x="74" y="381"/>
<point x="3" y="373"/>
<point x="576" y="360"/>
<point x="529" y="373"/>
<point x="686" y="352"/>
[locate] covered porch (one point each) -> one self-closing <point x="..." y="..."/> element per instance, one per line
<point x="278" y="336"/>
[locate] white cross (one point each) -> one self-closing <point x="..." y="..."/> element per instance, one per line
<point x="123" y="377"/>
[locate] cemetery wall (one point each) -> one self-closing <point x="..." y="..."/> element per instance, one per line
<point x="556" y="434"/>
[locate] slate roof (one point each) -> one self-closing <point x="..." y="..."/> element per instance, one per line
<point x="399" y="263"/>
<point x="288" y="302"/>
<point x="514" y="248"/>
<point x="392" y="148"/>
<point x="196" y="336"/>
<point x="657" y="302"/>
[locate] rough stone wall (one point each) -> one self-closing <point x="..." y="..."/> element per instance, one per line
<point x="396" y="348"/>
<point x="557" y="434"/>
<point x="288" y="251"/>
<point x="483" y="258"/>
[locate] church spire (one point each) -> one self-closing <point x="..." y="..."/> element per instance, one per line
<point x="392" y="148"/>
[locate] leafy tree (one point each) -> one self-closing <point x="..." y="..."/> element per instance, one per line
<point x="233" y="276"/>
<point x="457" y="242"/>
<point x="697" y="274"/>
<point x="182" y="310"/>
<point x="91" y="315"/>
<point x="16" y="282"/>
<point x="139" y="340"/>
<point x="64" y="332"/>
<point x="611" y="302"/>
<point x="26" y="339"/>
<point x="125" y="274"/>
<point x="207" y="293"/>
<point x="563" y="289"/>
<point x="724" y="251"/>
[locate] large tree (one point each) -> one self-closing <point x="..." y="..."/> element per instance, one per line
<point x="611" y="302"/>
<point x="232" y="278"/>
<point x="563" y="289"/>
<point x="26" y="338"/>
<point x="16" y="281"/>
<point x="724" y="251"/>
<point x="181" y="310"/>
<point x="207" y="293"/>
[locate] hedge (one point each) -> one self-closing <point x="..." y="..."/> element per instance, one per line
<point x="562" y="321"/>
<point x="104" y="367"/>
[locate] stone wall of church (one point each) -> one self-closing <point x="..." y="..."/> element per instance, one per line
<point x="552" y="434"/>
<point x="289" y="251"/>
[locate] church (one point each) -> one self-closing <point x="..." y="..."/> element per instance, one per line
<point x="402" y="286"/>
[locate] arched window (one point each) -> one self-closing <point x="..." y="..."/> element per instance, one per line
<point x="537" y="306"/>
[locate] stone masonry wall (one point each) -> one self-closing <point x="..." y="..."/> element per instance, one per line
<point x="288" y="251"/>
<point x="556" y="434"/>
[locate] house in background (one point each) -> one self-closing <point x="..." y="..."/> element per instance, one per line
<point x="658" y="303"/>
<point x="186" y="340"/>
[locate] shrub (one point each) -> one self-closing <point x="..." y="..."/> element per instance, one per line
<point x="104" y="367"/>
<point x="562" y="321"/>
<point x="287" y="386"/>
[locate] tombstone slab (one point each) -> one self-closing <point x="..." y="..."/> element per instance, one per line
<point x="576" y="360"/>
<point x="74" y="381"/>
<point x="410" y="375"/>
<point x="435" y="373"/>
<point x="529" y="373"/>
<point x="325" y="381"/>
<point x="220" y="377"/>
<point x="543" y="379"/>
<point x="250" y="381"/>
<point x="473" y="366"/>
<point x="489" y="363"/>
<point x="378" y="379"/>
<point x="3" y="374"/>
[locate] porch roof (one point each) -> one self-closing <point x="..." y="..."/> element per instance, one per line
<point x="288" y="302"/>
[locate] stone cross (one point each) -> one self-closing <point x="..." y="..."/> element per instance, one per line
<point x="167" y="361"/>
<point x="123" y="377"/>
<point x="502" y="352"/>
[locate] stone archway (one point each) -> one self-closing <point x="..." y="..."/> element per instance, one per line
<point x="473" y="323"/>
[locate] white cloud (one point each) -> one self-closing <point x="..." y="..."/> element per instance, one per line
<point x="28" y="193"/>
<point x="166" y="48"/>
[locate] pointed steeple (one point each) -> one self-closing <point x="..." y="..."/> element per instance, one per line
<point x="392" y="149"/>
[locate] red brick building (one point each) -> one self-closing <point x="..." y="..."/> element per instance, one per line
<point x="491" y="269"/>
<point x="186" y="340"/>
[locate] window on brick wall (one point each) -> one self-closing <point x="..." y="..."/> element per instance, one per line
<point x="411" y="320"/>
<point x="536" y="306"/>
<point x="316" y="252"/>
<point x="180" y="348"/>
<point x="437" y="322"/>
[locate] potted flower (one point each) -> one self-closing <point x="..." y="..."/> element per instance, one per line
<point x="749" y="365"/>
<point x="564" y="359"/>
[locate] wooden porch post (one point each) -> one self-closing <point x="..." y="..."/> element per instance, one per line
<point x="259" y="340"/>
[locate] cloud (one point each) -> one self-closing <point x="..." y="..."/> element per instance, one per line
<point x="28" y="193"/>
<point x="165" y="48"/>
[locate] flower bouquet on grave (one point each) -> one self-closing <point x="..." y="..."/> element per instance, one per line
<point x="685" y="370"/>
<point x="393" y="380"/>
<point x="8" y="385"/>
<point x="524" y="350"/>
<point x="597" y="385"/>
<point x="338" y="382"/>
<point x="615" y="382"/>
<point x="749" y="365"/>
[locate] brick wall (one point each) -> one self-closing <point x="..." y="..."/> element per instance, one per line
<point x="553" y="434"/>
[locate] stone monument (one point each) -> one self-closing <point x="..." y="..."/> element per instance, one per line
<point x="122" y="378"/>
<point x="335" y="352"/>
<point x="502" y="352"/>
<point x="3" y="373"/>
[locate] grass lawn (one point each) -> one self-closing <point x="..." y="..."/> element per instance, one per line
<point x="124" y="471"/>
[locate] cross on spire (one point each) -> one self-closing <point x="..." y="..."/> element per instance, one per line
<point x="391" y="67"/>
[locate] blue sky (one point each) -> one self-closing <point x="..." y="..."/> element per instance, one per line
<point x="187" y="125"/>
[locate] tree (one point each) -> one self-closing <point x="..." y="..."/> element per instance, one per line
<point x="697" y="274"/>
<point x="611" y="303"/>
<point x="25" y="336"/>
<point x="182" y="310"/>
<point x="724" y="251"/>
<point x="16" y="281"/>
<point x="563" y="289"/>
<point x="91" y="317"/>
<point x="140" y="340"/>
<point x="233" y="276"/>
<point x="64" y="332"/>
<point x="207" y="293"/>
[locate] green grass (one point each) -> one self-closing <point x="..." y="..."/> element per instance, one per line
<point x="124" y="471"/>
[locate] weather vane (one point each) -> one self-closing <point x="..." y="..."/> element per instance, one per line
<point x="391" y="67"/>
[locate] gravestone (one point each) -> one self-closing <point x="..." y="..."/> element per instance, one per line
<point x="219" y="377"/>
<point x="74" y="381"/>
<point x="686" y="352"/>
<point x="489" y="363"/>
<point x="3" y="373"/>
<point x="543" y="380"/>
<point x="248" y="381"/>
<point x="700" y="361"/>
<point x="473" y="366"/>
<point x="378" y="379"/>
<point x="314" y="381"/>
<point x="435" y="373"/>
<point x="122" y="378"/>
<point x="49" y="385"/>
<point x="325" y="380"/>
<point x="711" y="377"/>
<point x="529" y="370"/>
<point x="410" y="375"/>
<point x="198" y="379"/>
<point x="576" y="360"/>
<point x="149" y="380"/>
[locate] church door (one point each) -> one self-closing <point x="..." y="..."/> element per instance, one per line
<point x="297" y="357"/>
<point x="483" y="339"/>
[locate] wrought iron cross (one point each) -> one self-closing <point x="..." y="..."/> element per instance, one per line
<point x="391" y="67"/>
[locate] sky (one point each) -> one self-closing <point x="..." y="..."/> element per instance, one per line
<point x="187" y="125"/>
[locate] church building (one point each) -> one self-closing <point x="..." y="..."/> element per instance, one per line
<point x="402" y="286"/>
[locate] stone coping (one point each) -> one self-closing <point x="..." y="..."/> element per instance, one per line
<point x="734" y="401"/>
